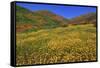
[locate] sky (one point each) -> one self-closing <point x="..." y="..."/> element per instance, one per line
<point x="65" y="11"/>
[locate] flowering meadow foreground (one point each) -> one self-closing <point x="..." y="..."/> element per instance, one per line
<point x="73" y="43"/>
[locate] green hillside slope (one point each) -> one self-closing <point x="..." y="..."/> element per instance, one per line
<point x="37" y="20"/>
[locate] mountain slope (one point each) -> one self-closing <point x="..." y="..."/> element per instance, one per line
<point x="84" y="19"/>
<point x="37" y="20"/>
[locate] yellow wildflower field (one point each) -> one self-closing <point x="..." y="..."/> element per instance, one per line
<point x="73" y="43"/>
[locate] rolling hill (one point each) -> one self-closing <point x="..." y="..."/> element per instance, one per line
<point x="84" y="19"/>
<point x="35" y="20"/>
<point x="43" y="19"/>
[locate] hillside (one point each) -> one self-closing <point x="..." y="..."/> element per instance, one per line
<point x="84" y="19"/>
<point x="43" y="19"/>
<point x="35" y="20"/>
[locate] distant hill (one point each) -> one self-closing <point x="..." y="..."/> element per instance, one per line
<point x="42" y="19"/>
<point x="84" y="19"/>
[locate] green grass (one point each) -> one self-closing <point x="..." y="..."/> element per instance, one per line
<point x="63" y="44"/>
